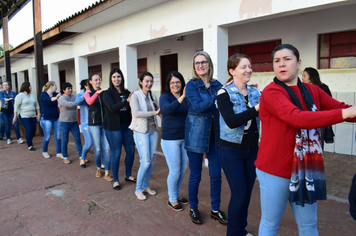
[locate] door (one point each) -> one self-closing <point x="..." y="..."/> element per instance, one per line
<point x="168" y="64"/>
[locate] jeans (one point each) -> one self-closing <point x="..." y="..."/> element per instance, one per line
<point x="146" y="146"/>
<point x="30" y="127"/>
<point x="47" y="126"/>
<point x="100" y="144"/>
<point x="239" y="168"/>
<point x="195" y="166"/>
<point x="114" y="137"/>
<point x="88" y="141"/>
<point x="274" y="193"/>
<point x="7" y="119"/>
<point x="74" y="128"/>
<point x="2" y="128"/>
<point x="177" y="161"/>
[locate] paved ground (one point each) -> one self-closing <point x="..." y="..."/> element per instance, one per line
<point x="41" y="196"/>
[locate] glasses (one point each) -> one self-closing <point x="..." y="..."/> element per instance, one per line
<point x="177" y="82"/>
<point x="202" y="63"/>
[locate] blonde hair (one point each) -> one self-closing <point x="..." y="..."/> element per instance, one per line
<point x="211" y="68"/>
<point x="47" y="85"/>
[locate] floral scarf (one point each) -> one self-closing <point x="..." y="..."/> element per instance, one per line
<point x="308" y="176"/>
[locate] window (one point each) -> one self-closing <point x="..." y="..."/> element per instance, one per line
<point x="260" y="54"/>
<point x="337" y="50"/>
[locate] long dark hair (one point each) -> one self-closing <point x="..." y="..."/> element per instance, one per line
<point x="112" y="87"/>
<point x="168" y="81"/>
<point x="313" y="76"/>
<point x="146" y="73"/>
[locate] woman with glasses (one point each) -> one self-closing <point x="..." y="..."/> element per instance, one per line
<point x="174" y="109"/>
<point x="7" y="97"/>
<point x="202" y="135"/>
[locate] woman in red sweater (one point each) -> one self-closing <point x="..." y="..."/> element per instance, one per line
<point x="289" y="162"/>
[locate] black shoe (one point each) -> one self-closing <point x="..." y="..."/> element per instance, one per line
<point x="195" y="216"/>
<point x="31" y="148"/>
<point x="177" y="207"/>
<point x="183" y="201"/>
<point x="130" y="180"/>
<point x="220" y="216"/>
<point x="117" y="187"/>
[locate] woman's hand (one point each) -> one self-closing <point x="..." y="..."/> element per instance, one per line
<point x="349" y="112"/>
<point x="228" y="83"/>
<point x="101" y="90"/>
<point x="38" y="118"/>
<point x="158" y="112"/>
<point x="182" y="97"/>
<point x="257" y="107"/>
<point x="9" y="99"/>
<point x="128" y="99"/>
<point x="14" y="120"/>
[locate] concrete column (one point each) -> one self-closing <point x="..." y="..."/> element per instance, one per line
<point x="81" y="71"/>
<point x="215" y="42"/>
<point x="53" y="74"/>
<point x="13" y="82"/>
<point x="128" y="64"/>
<point x="33" y="81"/>
<point x="20" y="79"/>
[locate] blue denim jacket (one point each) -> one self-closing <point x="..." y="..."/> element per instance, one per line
<point x="201" y="110"/>
<point x="235" y="135"/>
<point x="84" y="110"/>
<point x="4" y="95"/>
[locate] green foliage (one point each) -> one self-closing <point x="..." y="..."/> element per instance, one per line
<point x="2" y="49"/>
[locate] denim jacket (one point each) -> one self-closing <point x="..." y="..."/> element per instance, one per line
<point x="235" y="135"/>
<point x="4" y="95"/>
<point x="201" y="110"/>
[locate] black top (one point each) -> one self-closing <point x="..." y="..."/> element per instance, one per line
<point x="326" y="89"/>
<point x="9" y="109"/>
<point x="96" y="112"/>
<point x="250" y="136"/>
<point x="112" y="111"/>
<point x="125" y="112"/>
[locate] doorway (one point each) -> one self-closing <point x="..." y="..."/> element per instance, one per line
<point x="168" y="64"/>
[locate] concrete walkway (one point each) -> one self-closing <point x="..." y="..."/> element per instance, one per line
<point x="46" y="197"/>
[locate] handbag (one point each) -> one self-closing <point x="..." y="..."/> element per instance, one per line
<point x="329" y="135"/>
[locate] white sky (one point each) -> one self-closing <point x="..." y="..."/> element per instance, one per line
<point x="21" y="25"/>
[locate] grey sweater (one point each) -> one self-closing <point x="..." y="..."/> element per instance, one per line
<point x="26" y="106"/>
<point x="68" y="109"/>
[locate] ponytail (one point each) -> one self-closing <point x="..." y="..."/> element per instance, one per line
<point x="153" y="101"/>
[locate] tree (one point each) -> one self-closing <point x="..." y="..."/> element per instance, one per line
<point x="2" y="49"/>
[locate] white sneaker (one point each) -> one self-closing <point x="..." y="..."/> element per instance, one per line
<point x="45" y="155"/>
<point x="9" y="141"/>
<point x="59" y="155"/>
<point x="20" y="140"/>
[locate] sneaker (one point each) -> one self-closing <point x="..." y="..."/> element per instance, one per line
<point x="9" y="141"/>
<point x="59" y="155"/>
<point x="20" y="140"/>
<point x="108" y="177"/>
<point x="98" y="173"/>
<point x="31" y="148"/>
<point x="45" y="155"/>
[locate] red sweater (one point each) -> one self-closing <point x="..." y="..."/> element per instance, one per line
<point x="280" y="118"/>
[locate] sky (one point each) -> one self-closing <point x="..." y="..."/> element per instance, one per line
<point x="21" y="25"/>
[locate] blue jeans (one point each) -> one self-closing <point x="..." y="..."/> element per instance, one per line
<point x="47" y="126"/>
<point x="274" y="193"/>
<point x="30" y="127"/>
<point x="114" y="137"/>
<point x="74" y="128"/>
<point x="7" y="119"/>
<point x="177" y="161"/>
<point x="195" y="166"/>
<point x="88" y="141"/>
<point x="239" y="168"/>
<point x="2" y="128"/>
<point x="100" y="144"/>
<point x="146" y="146"/>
